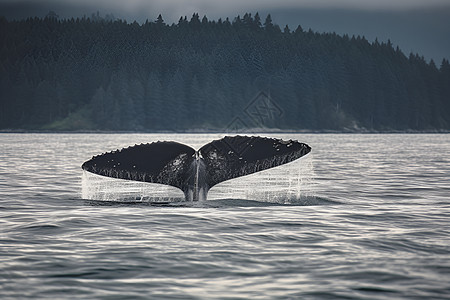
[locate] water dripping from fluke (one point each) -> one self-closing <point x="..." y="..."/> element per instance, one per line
<point x="102" y="190"/>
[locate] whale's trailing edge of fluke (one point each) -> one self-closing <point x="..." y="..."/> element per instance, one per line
<point x="195" y="172"/>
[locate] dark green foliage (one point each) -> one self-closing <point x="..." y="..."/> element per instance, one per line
<point x="95" y="73"/>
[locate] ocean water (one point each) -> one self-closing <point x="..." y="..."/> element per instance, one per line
<point x="363" y="216"/>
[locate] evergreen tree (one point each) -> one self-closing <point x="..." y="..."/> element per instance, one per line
<point x="159" y="21"/>
<point x="268" y="23"/>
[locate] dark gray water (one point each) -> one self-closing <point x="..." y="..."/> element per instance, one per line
<point x="362" y="216"/>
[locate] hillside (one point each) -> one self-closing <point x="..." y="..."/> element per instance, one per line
<point x="222" y="75"/>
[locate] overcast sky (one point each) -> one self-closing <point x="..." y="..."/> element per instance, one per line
<point x="419" y="26"/>
<point x="173" y="9"/>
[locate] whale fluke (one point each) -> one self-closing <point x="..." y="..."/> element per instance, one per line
<point x="195" y="172"/>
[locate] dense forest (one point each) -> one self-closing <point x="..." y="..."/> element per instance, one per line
<point x="95" y="73"/>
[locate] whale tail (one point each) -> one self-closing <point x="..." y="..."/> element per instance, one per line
<point x="195" y="172"/>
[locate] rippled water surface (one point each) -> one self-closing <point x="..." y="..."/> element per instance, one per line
<point x="361" y="216"/>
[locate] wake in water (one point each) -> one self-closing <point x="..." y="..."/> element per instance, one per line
<point x="291" y="184"/>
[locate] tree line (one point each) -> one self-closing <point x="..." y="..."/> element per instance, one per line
<point x="198" y="74"/>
